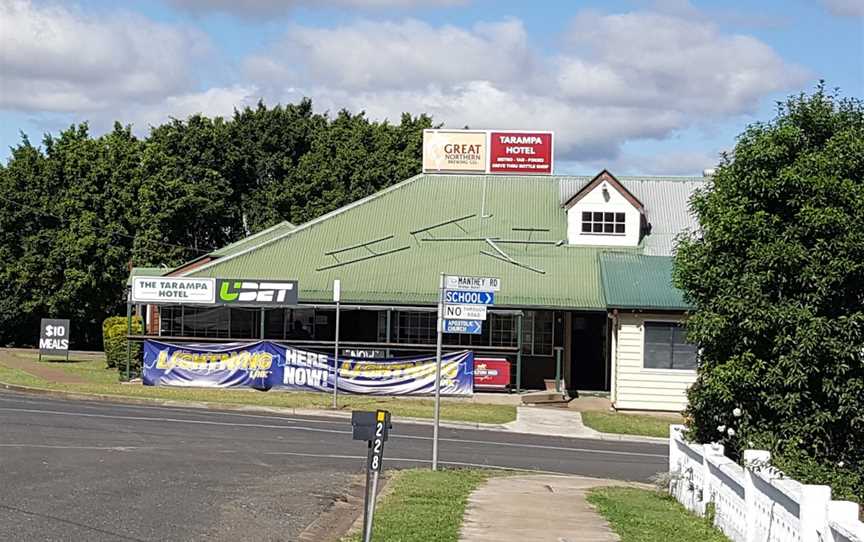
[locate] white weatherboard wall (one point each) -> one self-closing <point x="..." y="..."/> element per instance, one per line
<point x="756" y="503"/>
<point x="638" y="388"/>
<point x="594" y="201"/>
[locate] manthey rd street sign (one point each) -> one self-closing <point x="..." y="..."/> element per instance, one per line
<point x="475" y="284"/>
<point x="465" y="327"/>
<point x="464" y="312"/>
<point x="173" y="290"/>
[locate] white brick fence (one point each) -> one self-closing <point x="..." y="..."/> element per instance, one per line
<point x="756" y="503"/>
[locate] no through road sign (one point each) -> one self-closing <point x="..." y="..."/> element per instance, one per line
<point x="464" y="312"/>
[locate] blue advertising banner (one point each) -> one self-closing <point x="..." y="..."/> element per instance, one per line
<point x="264" y="365"/>
<point x="222" y="365"/>
<point x="400" y="376"/>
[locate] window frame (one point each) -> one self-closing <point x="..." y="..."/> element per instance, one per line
<point x="593" y="221"/>
<point x="665" y="370"/>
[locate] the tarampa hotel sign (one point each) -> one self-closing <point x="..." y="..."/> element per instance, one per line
<point x="492" y="151"/>
<point x="173" y="290"/>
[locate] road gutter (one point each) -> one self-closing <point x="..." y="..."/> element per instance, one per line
<point x="255" y="409"/>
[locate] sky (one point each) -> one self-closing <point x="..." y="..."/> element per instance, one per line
<point x="635" y="86"/>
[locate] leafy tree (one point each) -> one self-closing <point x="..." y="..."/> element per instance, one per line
<point x="776" y="272"/>
<point x="77" y="211"/>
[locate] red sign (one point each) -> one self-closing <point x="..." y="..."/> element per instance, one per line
<point x="520" y="152"/>
<point x="491" y="373"/>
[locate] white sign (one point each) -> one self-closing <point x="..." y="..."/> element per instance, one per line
<point x="464" y="312"/>
<point x="477" y="284"/>
<point x="173" y="290"/>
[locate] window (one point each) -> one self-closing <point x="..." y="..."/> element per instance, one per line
<point x="538" y="331"/>
<point x="603" y="223"/>
<point x="666" y="347"/>
<point x="416" y="327"/>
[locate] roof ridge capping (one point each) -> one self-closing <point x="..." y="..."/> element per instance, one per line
<point x="604" y="176"/>
<point x="308" y="224"/>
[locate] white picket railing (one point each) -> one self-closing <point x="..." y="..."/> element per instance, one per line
<point x="756" y="503"/>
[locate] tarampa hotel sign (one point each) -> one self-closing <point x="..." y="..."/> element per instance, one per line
<point x="494" y="151"/>
<point x="173" y="290"/>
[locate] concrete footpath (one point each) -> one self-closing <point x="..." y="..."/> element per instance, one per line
<point x="537" y="508"/>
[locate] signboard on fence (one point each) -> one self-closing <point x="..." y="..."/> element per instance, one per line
<point x="493" y="373"/>
<point x="173" y="290"/>
<point x="224" y="365"/>
<point x="54" y="337"/>
<point x="265" y="365"/>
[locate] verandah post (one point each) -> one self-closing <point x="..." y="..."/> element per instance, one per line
<point x="519" y="353"/>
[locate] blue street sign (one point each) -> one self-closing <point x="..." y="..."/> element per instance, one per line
<point x="465" y="297"/>
<point x="467" y="327"/>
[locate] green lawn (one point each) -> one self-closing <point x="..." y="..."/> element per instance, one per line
<point x="105" y="381"/>
<point x="424" y="506"/>
<point x="641" y="515"/>
<point x="630" y="424"/>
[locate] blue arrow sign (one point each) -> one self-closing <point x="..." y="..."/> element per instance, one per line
<point x="465" y="297"/>
<point x="467" y="327"/>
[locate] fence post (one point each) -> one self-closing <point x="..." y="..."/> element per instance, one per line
<point x="708" y="451"/>
<point x="754" y="461"/>
<point x="813" y="513"/>
<point x="842" y="512"/>
<point x="674" y="434"/>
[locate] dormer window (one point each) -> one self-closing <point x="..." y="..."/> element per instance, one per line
<point x="603" y="223"/>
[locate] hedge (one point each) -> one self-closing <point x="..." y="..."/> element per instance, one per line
<point x="114" y="341"/>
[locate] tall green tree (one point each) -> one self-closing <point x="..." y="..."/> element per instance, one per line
<point x="77" y="211"/>
<point x="776" y="272"/>
<point x="186" y="204"/>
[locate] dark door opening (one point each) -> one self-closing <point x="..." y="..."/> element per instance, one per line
<point x="588" y="352"/>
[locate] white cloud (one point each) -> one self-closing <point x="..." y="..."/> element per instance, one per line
<point x="399" y="55"/>
<point x="664" y="61"/>
<point x="260" y="8"/>
<point x="845" y="8"/>
<point x="213" y="102"/>
<point x="626" y="77"/>
<point x="56" y="59"/>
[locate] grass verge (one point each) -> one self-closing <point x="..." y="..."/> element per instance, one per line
<point x="630" y="424"/>
<point x="105" y="381"/>
<point x="424" y="506"/>
<point x="640" y="515"/>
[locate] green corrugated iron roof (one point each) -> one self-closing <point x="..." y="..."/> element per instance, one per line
<point x="637" y="281"/>
<point x="145" y="272"/>
<point x="254" y="239"/>
<point x="410" y="276"/>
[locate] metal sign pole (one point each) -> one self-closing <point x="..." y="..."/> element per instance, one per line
<point x="438" y="373"/>
<point x="374" y="491"/>
<point x="366" y="492"/>
<point x="128" y="332"/>
<point x="337" y="296"/>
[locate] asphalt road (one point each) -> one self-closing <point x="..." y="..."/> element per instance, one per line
<point x="95" y="471"/>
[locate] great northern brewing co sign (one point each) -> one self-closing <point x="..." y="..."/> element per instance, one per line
<point x="454" y="151"/>
<point x="520" y="152"/>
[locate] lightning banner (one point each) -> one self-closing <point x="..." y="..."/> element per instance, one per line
<point x="264" y="365"/>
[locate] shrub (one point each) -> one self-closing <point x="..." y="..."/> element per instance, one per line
<point x="114" y="340"/>
<point x="775" y="273"/>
